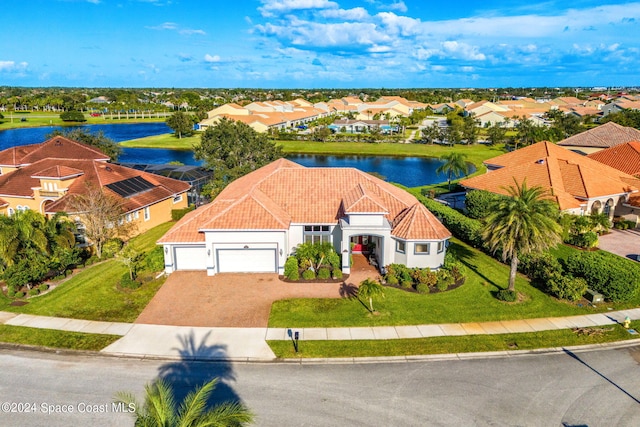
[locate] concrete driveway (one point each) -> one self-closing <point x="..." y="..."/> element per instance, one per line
<point x="191" y="298"/>
<point x="625" y="243"/>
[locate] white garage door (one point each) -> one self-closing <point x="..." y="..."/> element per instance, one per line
<point x="190" y="258"/>
<point x="247" y="261"/>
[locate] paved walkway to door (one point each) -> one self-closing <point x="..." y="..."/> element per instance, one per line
<point x="191" y="298"/>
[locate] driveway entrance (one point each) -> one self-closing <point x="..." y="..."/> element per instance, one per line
<point x="625" y="243"/>
<point x="191" y="298"/>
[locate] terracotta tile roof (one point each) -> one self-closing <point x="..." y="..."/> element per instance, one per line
<point x="624" y="157"/>
<point x="21" y="182"/>
<point x="568" y="176"/>
<point x="284" y="192"/>
<point x="56" y="147"/>
<point x="57" y="172"/>
<point x="604" y="136"/>
<point x="416" y="223"/>
<point x="359" y="200"/>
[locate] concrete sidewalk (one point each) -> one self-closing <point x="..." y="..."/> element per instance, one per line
<point x="202" y="343"/>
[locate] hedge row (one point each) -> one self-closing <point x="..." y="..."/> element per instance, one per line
<point x="464" y="228"/>
<point x="616" y="278"/>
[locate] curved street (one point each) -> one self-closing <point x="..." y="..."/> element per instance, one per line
<point x="589" y="388"/>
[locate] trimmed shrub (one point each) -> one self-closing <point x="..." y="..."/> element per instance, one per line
<point x="291" y="268"/>
<point x="111" y="248"/>
<point x="177" y="214"/>
<point x="392" y="279"/>
<point x="567" y="287"/>
<point x="506" y="295"/>
<point x="466" y="229"/>
<point x="616" y="278"/>
<point x="324" y="273"/>
<point x="33" y="292"/>
<point x="127" y="283"/>
<point x="424" y="276"/>
<point x="308" y="274"/>
<point x="444" y="280"/>
<point x="337" y="273"/>
<point x="423" y="288"/>
<point x="19" y="295"/>
<point x="154" y="259"/>
<point x="11" y="292"/>
<point x="586" y="240"/>
<point x="478" y="203"/>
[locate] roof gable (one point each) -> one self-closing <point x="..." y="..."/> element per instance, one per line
<point x="604" y="136"/>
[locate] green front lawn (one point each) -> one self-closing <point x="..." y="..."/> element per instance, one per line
<point x="448" y="345"/>
<point x="55" y="339"/>
<point x="472" y="302"/>
<point x="94" y="294"/>
<point x="167" y="140"/>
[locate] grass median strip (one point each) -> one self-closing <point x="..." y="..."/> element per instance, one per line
<point x="55" y="339"/>
<point x="448" y="345"/>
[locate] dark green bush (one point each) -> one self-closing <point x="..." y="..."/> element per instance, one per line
<point x="308" y="274"/>
<point x="337" y="273"/>
<point x="391" y="279"/>
<point x="569" y="288"/>
<point x="291" y="268"/>
<point x="444" y="280"/>
<point x="177" y="214"/>
<point x="73" y="116"/>
<point x="154" y="259"/>
<point x="479" y="202"/>
<point x="324" y="273"/>
<point x="507" y="295"/>
<point x="423" y="288"/>
<point x="43" y="287"/>
<point x="466" y="229"/>
<point x="127" y="283"/>
<point x="19" y="295"/>
<point x="33" y="292"/>
<point x="585" y="240"/>
<point x="616" y="278"/>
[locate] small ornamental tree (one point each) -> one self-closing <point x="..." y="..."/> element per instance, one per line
<point x="181" y="123"/>
<point x="370" y="289"/>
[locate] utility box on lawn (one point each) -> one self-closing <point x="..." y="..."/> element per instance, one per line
<point x="594" y="297"/>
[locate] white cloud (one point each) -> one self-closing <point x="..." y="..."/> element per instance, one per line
<point x="398" y="6"/>
<point x="271" y="7"/>
<point x="463" y="51"/>
<point x="12" y="66"/>
<point x="355" y="14"/>
<point x="211" y="58"/>
<point x="172" y="26"/>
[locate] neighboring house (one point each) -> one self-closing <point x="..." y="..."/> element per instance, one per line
<point x="578" y="184"/>
<point x="360" y="126"/>
<point x="257" y="221"/>
<point x="604" y="136"/>
<point x="624" y="157"/>
<point x="43" y="177"/>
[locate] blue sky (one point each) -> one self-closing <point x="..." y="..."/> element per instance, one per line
<point x="319" y="43"/>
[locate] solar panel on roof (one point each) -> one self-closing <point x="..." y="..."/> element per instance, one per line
<point x="130" y="186"/>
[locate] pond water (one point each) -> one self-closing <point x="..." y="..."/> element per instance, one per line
<point x="408" y="171"/>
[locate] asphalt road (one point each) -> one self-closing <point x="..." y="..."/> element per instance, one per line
<point x="595" y="388"/>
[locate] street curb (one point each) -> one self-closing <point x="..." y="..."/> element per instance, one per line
<point x="335" y="361"/>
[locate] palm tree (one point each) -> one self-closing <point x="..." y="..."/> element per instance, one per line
<point x="369" y="289"/>
<point x="455" y="165"/>
<point x="160" y="408"/>
<point x="521" y="224"/>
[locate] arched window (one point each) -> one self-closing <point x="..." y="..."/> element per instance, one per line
<point x="595" y="207"/>
<point x="608" y="208"/>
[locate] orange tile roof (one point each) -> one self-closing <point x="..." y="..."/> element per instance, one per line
<point x="624" y="157"/>
<point x="284" y="192"/>
<point x="57" y="171"/>
<point x="416" y="223"/>
<point x="603" y="136"/>
<point x="56" y="147"/>
<point x="20" y="183"/>
<point x="568" y="176"/>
